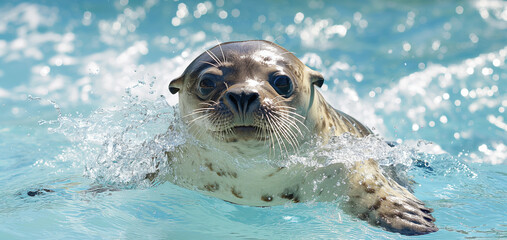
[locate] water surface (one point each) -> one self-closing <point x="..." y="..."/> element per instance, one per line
<point x="84" y="108"/>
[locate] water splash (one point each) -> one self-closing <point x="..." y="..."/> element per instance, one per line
<point x="119" y="146"/>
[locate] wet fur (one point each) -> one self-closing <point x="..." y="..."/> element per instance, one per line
<point x="234" y="167"/>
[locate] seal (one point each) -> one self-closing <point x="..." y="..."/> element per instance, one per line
<point x="249" y="104"/>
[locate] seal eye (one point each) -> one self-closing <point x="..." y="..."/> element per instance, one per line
<point x="206" y="86"/>
<point x="283" y="85"/>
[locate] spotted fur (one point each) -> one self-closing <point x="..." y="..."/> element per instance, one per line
<point x="240" y="139"/>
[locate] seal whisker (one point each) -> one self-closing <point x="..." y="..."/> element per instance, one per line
<point x="208" y="107"/>
<point x="231" y="131"/>
<point x="226" y="86"/>
<point x="214" y="65"/>
<point x="213" y="121"/>
<point x="197" y="111"/>
<point x="200" y="131"/>
<point x="223" y="55"/>
<point x="277" y="135"/>
<point x="287" y="114"/>
<point x="293" y="113"/>
<point x="286" y="110"/>
<point x="293" y="124"/>
<point x="210" y="102"/>
<point x="289" y="127"/>
<point x="259" y="133"/>
<point x="284" y="138"/>
<point x="292" y="116"/>
<point x="287" y="107"/>
<point x="296" y="122"/>
<point x="276" y="101"/>
<point x="269" y="130"/>
<point x="280" y="99"/>
<point x="204" y="116"/>
<point x="228" y="131"/>
<point x="212" y="55"/>
<point x="221" y="122"/>
<point x="276" y="39"/>
<point x="277" y="138"/>
<point x="286" y="122"/>
<point x="194" y="113"/>
<point x="287" y="133"/>
<point x="264" y="131"/>
<point x="218" y="121"/>
<point x="205" y="103"/>
<point x="281" y="54"/>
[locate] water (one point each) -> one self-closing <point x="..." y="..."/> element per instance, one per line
<point x="86" y="112"/>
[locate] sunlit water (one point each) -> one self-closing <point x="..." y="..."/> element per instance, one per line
<point x="85" y="113"/>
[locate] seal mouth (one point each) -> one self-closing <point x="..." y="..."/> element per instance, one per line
<point x="239" y="130"/>
<point x="242" y="132"/>
<point x="245" y="132"/>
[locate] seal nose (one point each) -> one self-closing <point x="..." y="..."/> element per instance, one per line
<point x="242" y="101"/>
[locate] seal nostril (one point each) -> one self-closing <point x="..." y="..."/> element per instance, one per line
<point x="242" y="102"/>
<point x="251" y="98"/>
<point x="251" y="101"/>
<point x="234" y="100"/>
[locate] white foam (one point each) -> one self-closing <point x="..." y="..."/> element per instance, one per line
<point x="120" y="145"/>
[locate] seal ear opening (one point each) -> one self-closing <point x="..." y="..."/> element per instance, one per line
<point x="176" y="85"/>
<point x="316" y="78"/>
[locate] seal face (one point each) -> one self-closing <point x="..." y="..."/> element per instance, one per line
<point x="253" y="100"/>
<point x="253" y="92"/>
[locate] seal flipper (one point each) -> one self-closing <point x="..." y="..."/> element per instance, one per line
<point x="39" y="192"/>
<point x="383" y="202"/>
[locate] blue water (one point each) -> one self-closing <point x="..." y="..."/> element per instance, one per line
<point x="85" y="110"/>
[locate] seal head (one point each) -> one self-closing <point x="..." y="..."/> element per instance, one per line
<point x="253" y="92"/>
